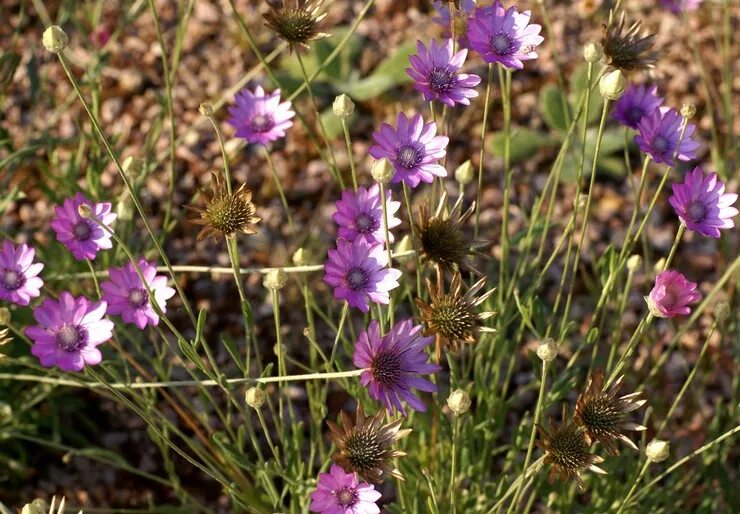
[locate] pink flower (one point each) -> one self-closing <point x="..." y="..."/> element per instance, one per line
<point x="18" y="274"/>
<point x="436" y="72"/>
<point x="360" y="214"/>
<point x="339" y="492"/>
<point x="259" y="117"/>
<point x="672" y="295"/>
<point x="702" y="204"/>
<point x="83" y="237"/>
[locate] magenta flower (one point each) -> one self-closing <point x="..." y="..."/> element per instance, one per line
<point x="436" y="74"/>
<point x="69" y="331"/>
<point x="360" y="214"/>
<point x="504" y="36"/>
<point x="702" y="204"/>
<point x="412" y="148"/>
<point x="18" y="274"/>
<point x="260" y="118"/>
<point x="127" y="296"/>
<point x="443" y="18"/>
<point x="83" y="237"/>
<point x="679" y="6"/>
<point x="393" y="361"/>
<point x="636" y="103"/>
<point x="671" y="295"/>
<point x="339" y="492"/>
<point x="359" y="273"/>
<point x="659" y="134"/>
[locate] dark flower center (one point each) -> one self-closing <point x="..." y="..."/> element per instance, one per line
<point x="696" y="211"/>
<point x="408" y="156"/>
<point x="601" y="416"/>
<point x="229" y="213"/>
<point x="346" y="497"/>
<point x="660" y="144"/>
<point x="295" y="25"/>
<point x="386" y="368"/>
<point x="12" y="280"/>
<point x="568" y="449"/>
<point x="634" y="114"/>
<point x="262" y="123"/>
<point x="70" y="338"/>
<point x="502" y="44"/>
<point x="443" y="242"/>
<point x="441" y="79"/>
<point x="356" y="278"/>
<point x="364" y="223"/>
<point x="454" y="320"/>
<point x="363" y="451"/>
<point x="82" y="230"/>
<point x="138" y="297"/>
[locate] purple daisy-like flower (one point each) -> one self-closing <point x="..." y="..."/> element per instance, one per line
<point x="671" y="295"/>
<point x="339" y="492"/>
<point x="69" y="331"/>
<point x="359" y="273"/>
<point x="393" y="362"/>
<point x="504" y="36"/>
<point x="659" y="134"/>
<point x="679" y="6"/>
<point x="413" y="149"/>
<point x="636" y="103"/>
<point x="18" y="274"/>
<point x="83" y="237"/>
<point x="360" y="215"/>
<point x="127" y="296"/>
<point x="436" y="74"/>
<point x="443" y="18"/>
<point x="258" y="117"/>
<point x="702" y="204"/>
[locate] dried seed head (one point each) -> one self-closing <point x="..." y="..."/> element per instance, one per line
<point x="688" y="110"/>
<point x="296" y="21"/>
<point x="275" y="279"/>
<point x="255" y="397"/>
<point x="626" y="49"/>
<point x="459" y="402"/>
<point x="657" y="450"/>
<point x="55" y="40"/>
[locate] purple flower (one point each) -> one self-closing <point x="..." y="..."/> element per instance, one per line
<point x="393" y="361"/>
<point x="659" y="133"/>
<point x="636" y="103"/>
<point x="504" y="36"/>
<point x="435" y="71"/>
<point x="672" y="295"/>
<point x="127" y="296"/>
<point x="443" y="18"/>
<point x="339" y="493"/>
<point x="678" y="6"/>
<point x="18" y="280"/>
<point x="83" y="237"/>
<point x="260" y="118"/>
<point x="702" y="204"/>
<point x="359" y="273"/>
<point x="412" y="148"/>
<point x="360" y="215"/>
<point x="68" y="332"/>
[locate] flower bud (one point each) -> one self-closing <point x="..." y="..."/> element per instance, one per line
<point x="275" y="279"/>
<point x="634" y="263"/>
<point x="721" y="311"/>
<point x="205" y="109"/>
<point x="657" y="450"/>
<point x="547" y="350"/>
<point x="133" y="167"/>
<point x="255" y="397"/>
<point x="85" y="211"/>
<point x="612" y="85"/>
<point x="658" y="267"/>
<point x="4" y="316"/>
<point x="459" y="402"/>
<point x="382" y="171"/>
<point x="343" y="106"/>
<point x="688" y="110"/>
<point x="55" y="40"/>
<point x="299" y="257"/>
<point x="464" y="173"/>
<point x="37" y="506"/>
<point x="593" y="51"/>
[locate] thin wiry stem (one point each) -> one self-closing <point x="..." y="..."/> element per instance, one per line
<point x="479" y="193"/>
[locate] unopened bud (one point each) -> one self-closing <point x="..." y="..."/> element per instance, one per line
<point x="547" y="350"/>
<point x="658" y="267"/>
<point x="464" y="173"/>
<point x="612" y="85"/>
<point x="205" y="109"/>
<point x="4" y="316"/>
<point x="255" y="397"/>
<point x="275" y="279"/>
<point x="688" y="110"/>
<point x="657" y="450"/>
<point x="382" y="171"/>
<point x="459" y="402"/>
<point x="299" y="257"/>
<point x="35" y="507"/>
<point x="593" y="51"/>
<point x="343" y="106"/>
<point x="634" y="263"/>
<point x="85" y="211"/>
<point x="721" y="311"/>
<point x="55" y="39"/>
<point x="133" y="167"/>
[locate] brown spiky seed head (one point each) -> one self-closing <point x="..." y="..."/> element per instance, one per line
<point x="296" y="21"/>
<point x="626" y="49"/>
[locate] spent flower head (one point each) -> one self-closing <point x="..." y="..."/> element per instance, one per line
<point x="296" y="21"/>
<point x="359" y="214"/>
<point x="625" y="48"/>
<point x="366" y="446"/>
<point x="671" y="295"/>
<point x="393" y="362"/>
<point x="701" y="203"/>
<point x="83" y="236"/>
<point x="339" y="492"/>
<point x="259" y="117"/>
<point x="659" y="136"/>
<point x="436" y="74"/>
<point x="636" y="103"/>
<point x="19" y="280"/>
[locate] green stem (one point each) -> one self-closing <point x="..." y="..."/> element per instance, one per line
<point x="231" y="243"/>
<point x="349" y="153"/>
<point x="224" y="155"/>
<point x="630" y="348"/>
<point x="674" y="247"/>
<point x="407" y="199"/>
<point x="634" y="486"/>
<point x="383" y="201"/>
<point x="479" y="193"/>
<point x="505" y="84"/>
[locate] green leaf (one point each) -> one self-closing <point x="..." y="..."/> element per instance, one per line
<point x="231" y="347"/>
<point x="551" y="105"/>
<point x="524" y="143"/>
